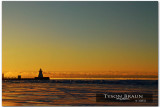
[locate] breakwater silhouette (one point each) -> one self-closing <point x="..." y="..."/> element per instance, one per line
<point x="40" y="77"/>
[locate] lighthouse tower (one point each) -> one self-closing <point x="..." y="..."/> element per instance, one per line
<point x="40" y="76"/>
<point x="40" y="73"/>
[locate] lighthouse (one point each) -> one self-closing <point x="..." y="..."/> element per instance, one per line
<point x="40" y="76"/>
<point x="40" y="73"/>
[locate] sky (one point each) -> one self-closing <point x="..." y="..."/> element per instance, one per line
<point x="80" y="38"/>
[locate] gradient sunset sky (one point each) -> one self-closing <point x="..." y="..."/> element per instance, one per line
<point x="119" y="38"/>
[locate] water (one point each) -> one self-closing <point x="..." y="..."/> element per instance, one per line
<point x="72" y="92"/>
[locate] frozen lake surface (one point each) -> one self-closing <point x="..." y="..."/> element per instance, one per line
<point x="72" y="92"/>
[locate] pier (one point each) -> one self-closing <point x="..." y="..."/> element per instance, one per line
<point x="40" y="77"/>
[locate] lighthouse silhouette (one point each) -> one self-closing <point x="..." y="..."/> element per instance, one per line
<point x="40" y="76"/>
<point x="40" y="73"/>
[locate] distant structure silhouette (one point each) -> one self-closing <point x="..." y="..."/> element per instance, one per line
<point x="19" y="77"/>
<point x="2" y="76"/>
<point x="40" y="76"/>
<point x="40" y="73"/>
